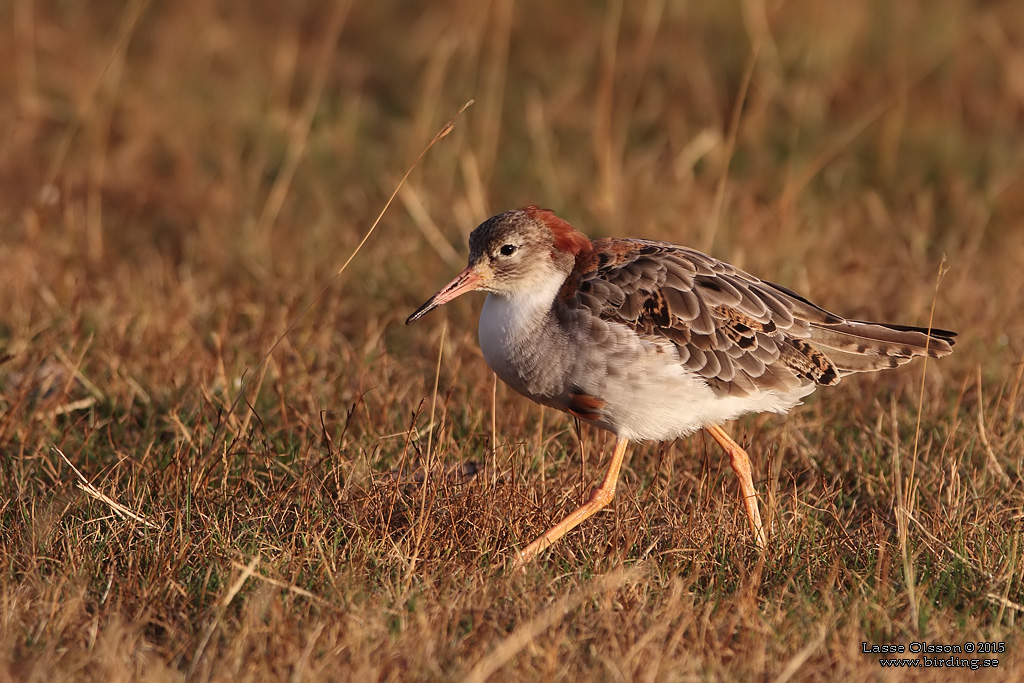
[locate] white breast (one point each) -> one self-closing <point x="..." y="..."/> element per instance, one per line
<point x="519" y="340"/>
<point x="497" y="320"/>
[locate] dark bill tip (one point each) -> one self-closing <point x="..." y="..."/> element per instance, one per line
<point x="422" y="310"/>
<point x="466" y="281"/>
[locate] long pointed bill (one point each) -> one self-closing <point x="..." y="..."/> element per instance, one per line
<point x="466" y="281"/>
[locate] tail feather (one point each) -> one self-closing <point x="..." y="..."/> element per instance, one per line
<point x="858" y="346"/>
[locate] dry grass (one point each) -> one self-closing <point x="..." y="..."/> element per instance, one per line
<point x="179" y="180"/>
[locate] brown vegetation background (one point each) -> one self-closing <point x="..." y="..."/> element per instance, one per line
<point x="178" y="182"/>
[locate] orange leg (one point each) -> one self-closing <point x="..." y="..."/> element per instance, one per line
<point x="600" y="497"/>
<point x="741" y="466"/>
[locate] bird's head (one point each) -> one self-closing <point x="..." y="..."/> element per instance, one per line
<point x="514" y="253"/>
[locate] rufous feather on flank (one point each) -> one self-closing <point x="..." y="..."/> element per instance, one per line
<point x="653" y="341"/>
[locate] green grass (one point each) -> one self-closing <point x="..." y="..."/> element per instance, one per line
<point x="179" y="181"/>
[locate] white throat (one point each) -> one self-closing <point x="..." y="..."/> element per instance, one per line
<point x="510" y="324"/>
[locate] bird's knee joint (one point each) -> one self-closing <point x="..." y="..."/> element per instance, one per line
<point x="601" y="496"/>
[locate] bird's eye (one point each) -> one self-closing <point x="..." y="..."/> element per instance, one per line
<point x="508" y="249"/>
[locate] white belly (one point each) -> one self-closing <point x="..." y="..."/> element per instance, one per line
<point x="664" y="402"/>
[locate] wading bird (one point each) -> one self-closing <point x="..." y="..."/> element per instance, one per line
<point x="653" y="341"/>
